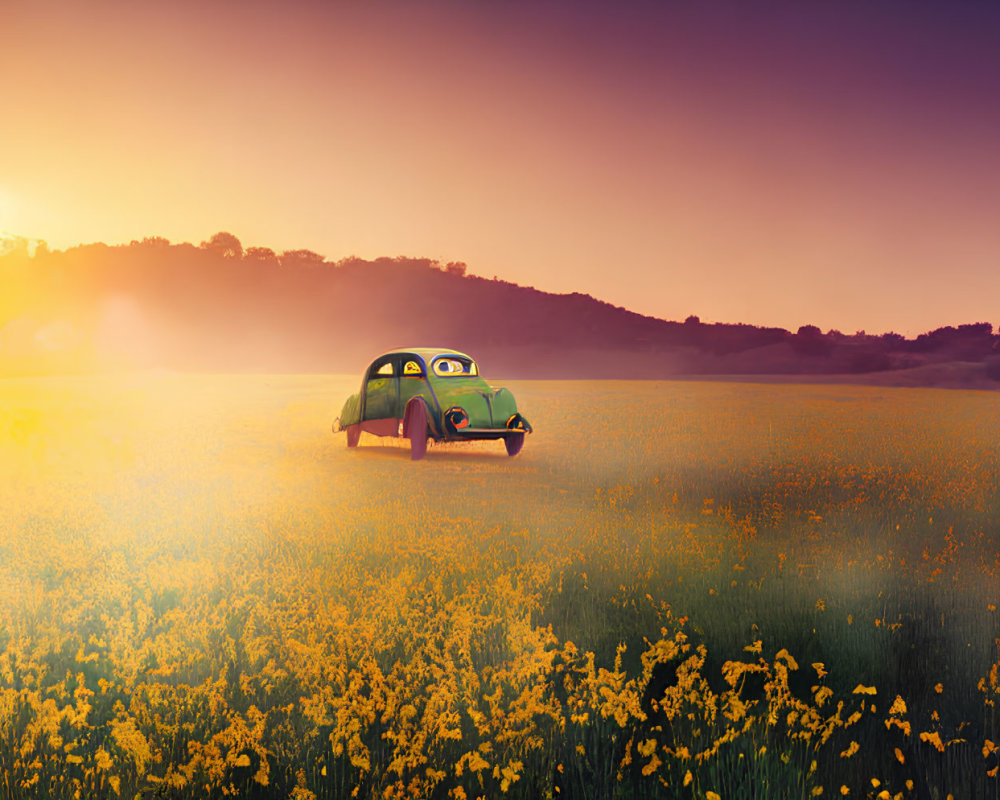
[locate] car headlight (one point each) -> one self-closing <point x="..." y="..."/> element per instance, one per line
<point x="515" y="423"/>
<point x="456" y="418"/>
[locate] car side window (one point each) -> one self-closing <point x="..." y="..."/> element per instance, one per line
<point x="385" y="369"/>
<point x="412" y="368"/>
<point x="448" y="366"/>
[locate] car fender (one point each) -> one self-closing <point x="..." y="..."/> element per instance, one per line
<point x="431" y="426"/>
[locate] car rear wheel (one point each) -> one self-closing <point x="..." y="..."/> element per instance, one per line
<point x="416" y="429"/>
<point x="353" y="435"/>
<point x="514" y="442"/>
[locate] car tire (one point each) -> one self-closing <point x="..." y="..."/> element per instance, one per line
<point x="353" y="435"/>
<point x="416" y="429"/>
<point x="513" y="442"/>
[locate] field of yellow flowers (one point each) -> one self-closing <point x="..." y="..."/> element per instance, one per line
<point x="690" y="590"/>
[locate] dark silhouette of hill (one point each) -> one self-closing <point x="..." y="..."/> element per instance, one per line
<point x="220" y="306"/>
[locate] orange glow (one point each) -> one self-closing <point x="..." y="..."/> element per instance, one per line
<point x="673" y="165"/>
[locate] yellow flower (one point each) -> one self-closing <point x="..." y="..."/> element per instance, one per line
<point x="823" y="695"/>
<point x="844" y="790"/>
<point x="102" y="759"/>
<point x="783" y="653"/>
<point x="861" y="689"/>
<point x="712" y="796"/>
<point x="933" y="739"/>
<point x="652" y="766"/>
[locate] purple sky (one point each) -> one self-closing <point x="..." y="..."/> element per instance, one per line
<point x="776" y="163"/>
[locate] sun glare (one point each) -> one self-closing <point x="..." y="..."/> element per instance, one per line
<point x="8" y="212"/>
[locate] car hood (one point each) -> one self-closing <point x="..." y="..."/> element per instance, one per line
<point x="487" y="407"/>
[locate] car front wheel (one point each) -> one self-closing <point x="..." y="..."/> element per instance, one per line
<point x="416" y="429"/>
<point x="514" y="442"/>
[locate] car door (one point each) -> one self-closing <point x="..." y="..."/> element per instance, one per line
<point x="381" y="389"/>
<point x="412" y="380"/>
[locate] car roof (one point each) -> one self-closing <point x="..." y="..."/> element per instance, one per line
<point x="427" y="353"/>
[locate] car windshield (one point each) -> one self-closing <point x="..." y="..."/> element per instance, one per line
<point x="454" y="366"/>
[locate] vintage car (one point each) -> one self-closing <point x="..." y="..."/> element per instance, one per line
<point x="426" y="393"/>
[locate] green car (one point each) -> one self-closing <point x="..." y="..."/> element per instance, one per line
<point x="429" y="393"/>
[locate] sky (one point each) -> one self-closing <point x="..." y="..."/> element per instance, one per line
<point x="835" y="164"/>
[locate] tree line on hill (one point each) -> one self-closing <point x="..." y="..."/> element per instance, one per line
<point x="222" y="307"/>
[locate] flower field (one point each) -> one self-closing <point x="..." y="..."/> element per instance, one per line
<point x="690" y="590"/>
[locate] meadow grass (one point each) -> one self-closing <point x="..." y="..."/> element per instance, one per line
<point x="677" y="589"/>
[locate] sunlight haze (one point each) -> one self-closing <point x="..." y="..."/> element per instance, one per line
<point x="791" y="164"/>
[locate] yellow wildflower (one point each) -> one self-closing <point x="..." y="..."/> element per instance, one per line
<point x="652" y="766"/>
<point x="933" y="739"/>
<point x="783" y="653"/>
<point x="102" y="759"/>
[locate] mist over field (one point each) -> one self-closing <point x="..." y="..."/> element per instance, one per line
<point x="675" y="589"/>
<point x="223" y="307"/>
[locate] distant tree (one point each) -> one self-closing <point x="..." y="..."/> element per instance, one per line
<point x="154" y="241"/>
<point x="14" y="245"/>
<point x="809" y="341"/>
<point x="976" y="330"/>
<point x="225" y="245"/>
<point x="417" y="263"/>
<point x="693" y="320"/>
<point x="457" y="268"/>
<point x="300" y="258"/>
<point x="260" y="254"/>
